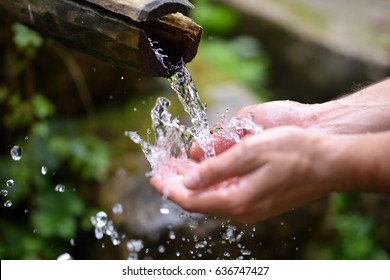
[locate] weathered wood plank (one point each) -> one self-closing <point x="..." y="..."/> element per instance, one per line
<point x="116" y="39"/>
<point x="143" y="10"/>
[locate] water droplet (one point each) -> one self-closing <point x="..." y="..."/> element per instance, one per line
<point x="161" y="249"/>
<point x="117" y="209"/>
<point x="64" y="257"/>
<point x="122" y="78"/>
<point x="166" y="193"/>
<point x="98" y="233"/>
<point x="72" y="242"/>
<point x="4" y="192"/>
<point x="132" y="256"/>
<point x="177" y="254"/>
<point x="229" y="233"/>
<point x="59" y="188"/>
<point x="192" y="223"/>
<point x="201" y="244"/>
<point x="164" y="210"/>
<point x="8" y="203"/>
<point x="172" y="235"/>
<point x="245" y="252"/>
<point x="44" y="170"/>
<point x="10" y="183"/>
<point x="115" y="239"/>
<point x="134" y="245"/>
<point x="240" y="235"/>
<point x="35" y="231"/>
<point x="100" y="219"/>
<point x="282" y="223"/>
<point x="16" y="152"/>
<point x="226" y="254"/>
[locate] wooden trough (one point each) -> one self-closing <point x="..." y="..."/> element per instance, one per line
<point x="118" y="31"/>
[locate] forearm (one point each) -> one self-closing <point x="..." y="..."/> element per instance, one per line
<point x="360" y="162"/>
<point x="367" y="110"/>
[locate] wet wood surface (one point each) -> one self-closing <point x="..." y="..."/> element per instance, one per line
<point x="112" y="37"/>
<point x="143" y="10"/>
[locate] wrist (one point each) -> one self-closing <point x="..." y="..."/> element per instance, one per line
<point x="357" y="162"/>
<point x="344" y="117"/>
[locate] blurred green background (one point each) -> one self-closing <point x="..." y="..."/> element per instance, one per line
<point x="69" y="111"/>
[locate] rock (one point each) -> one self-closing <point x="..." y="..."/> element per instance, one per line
<point x="319" y="49"/>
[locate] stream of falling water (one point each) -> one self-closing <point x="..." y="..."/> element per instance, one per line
<point x="173" y="140"/>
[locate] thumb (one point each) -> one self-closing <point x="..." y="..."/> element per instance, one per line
<point x="230" y="164"/>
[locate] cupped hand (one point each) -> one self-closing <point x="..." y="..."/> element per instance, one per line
<point x="266" y="115"/>
<point x="264" y="175"/>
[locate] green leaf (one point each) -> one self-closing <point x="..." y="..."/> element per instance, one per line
<point x="215" y="19"/>
<point x="25" y="37"/>
<point x="43" y="108"/>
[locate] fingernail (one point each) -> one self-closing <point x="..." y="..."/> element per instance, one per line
<point x="192" y="179"/>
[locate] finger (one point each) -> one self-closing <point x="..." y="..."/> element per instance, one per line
<point x="220" y="145"/>
<point x="236" y="161"/>
<point x="218" y="200"/>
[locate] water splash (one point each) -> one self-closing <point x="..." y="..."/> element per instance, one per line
<point x="173" y="140"/>
<point x="169" y="139"/>
<point x="183" y="85"/>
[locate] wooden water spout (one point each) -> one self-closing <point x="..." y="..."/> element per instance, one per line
<point x="118" y="31"/>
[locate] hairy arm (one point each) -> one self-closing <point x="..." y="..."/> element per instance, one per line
<point x="367" y="110"/>
<point x="362" y="161"/>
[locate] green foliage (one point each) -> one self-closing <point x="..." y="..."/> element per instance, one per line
<point x="86" y="155"/>
<point x="42" y="107"/>
<point x="27" y="40"/>
<point x="355" y="233"/>
<point x="239" y="57"/>
<point x="215" y="18"/>
<point x="41" y="221"/>
<point x="54" y="216"/>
